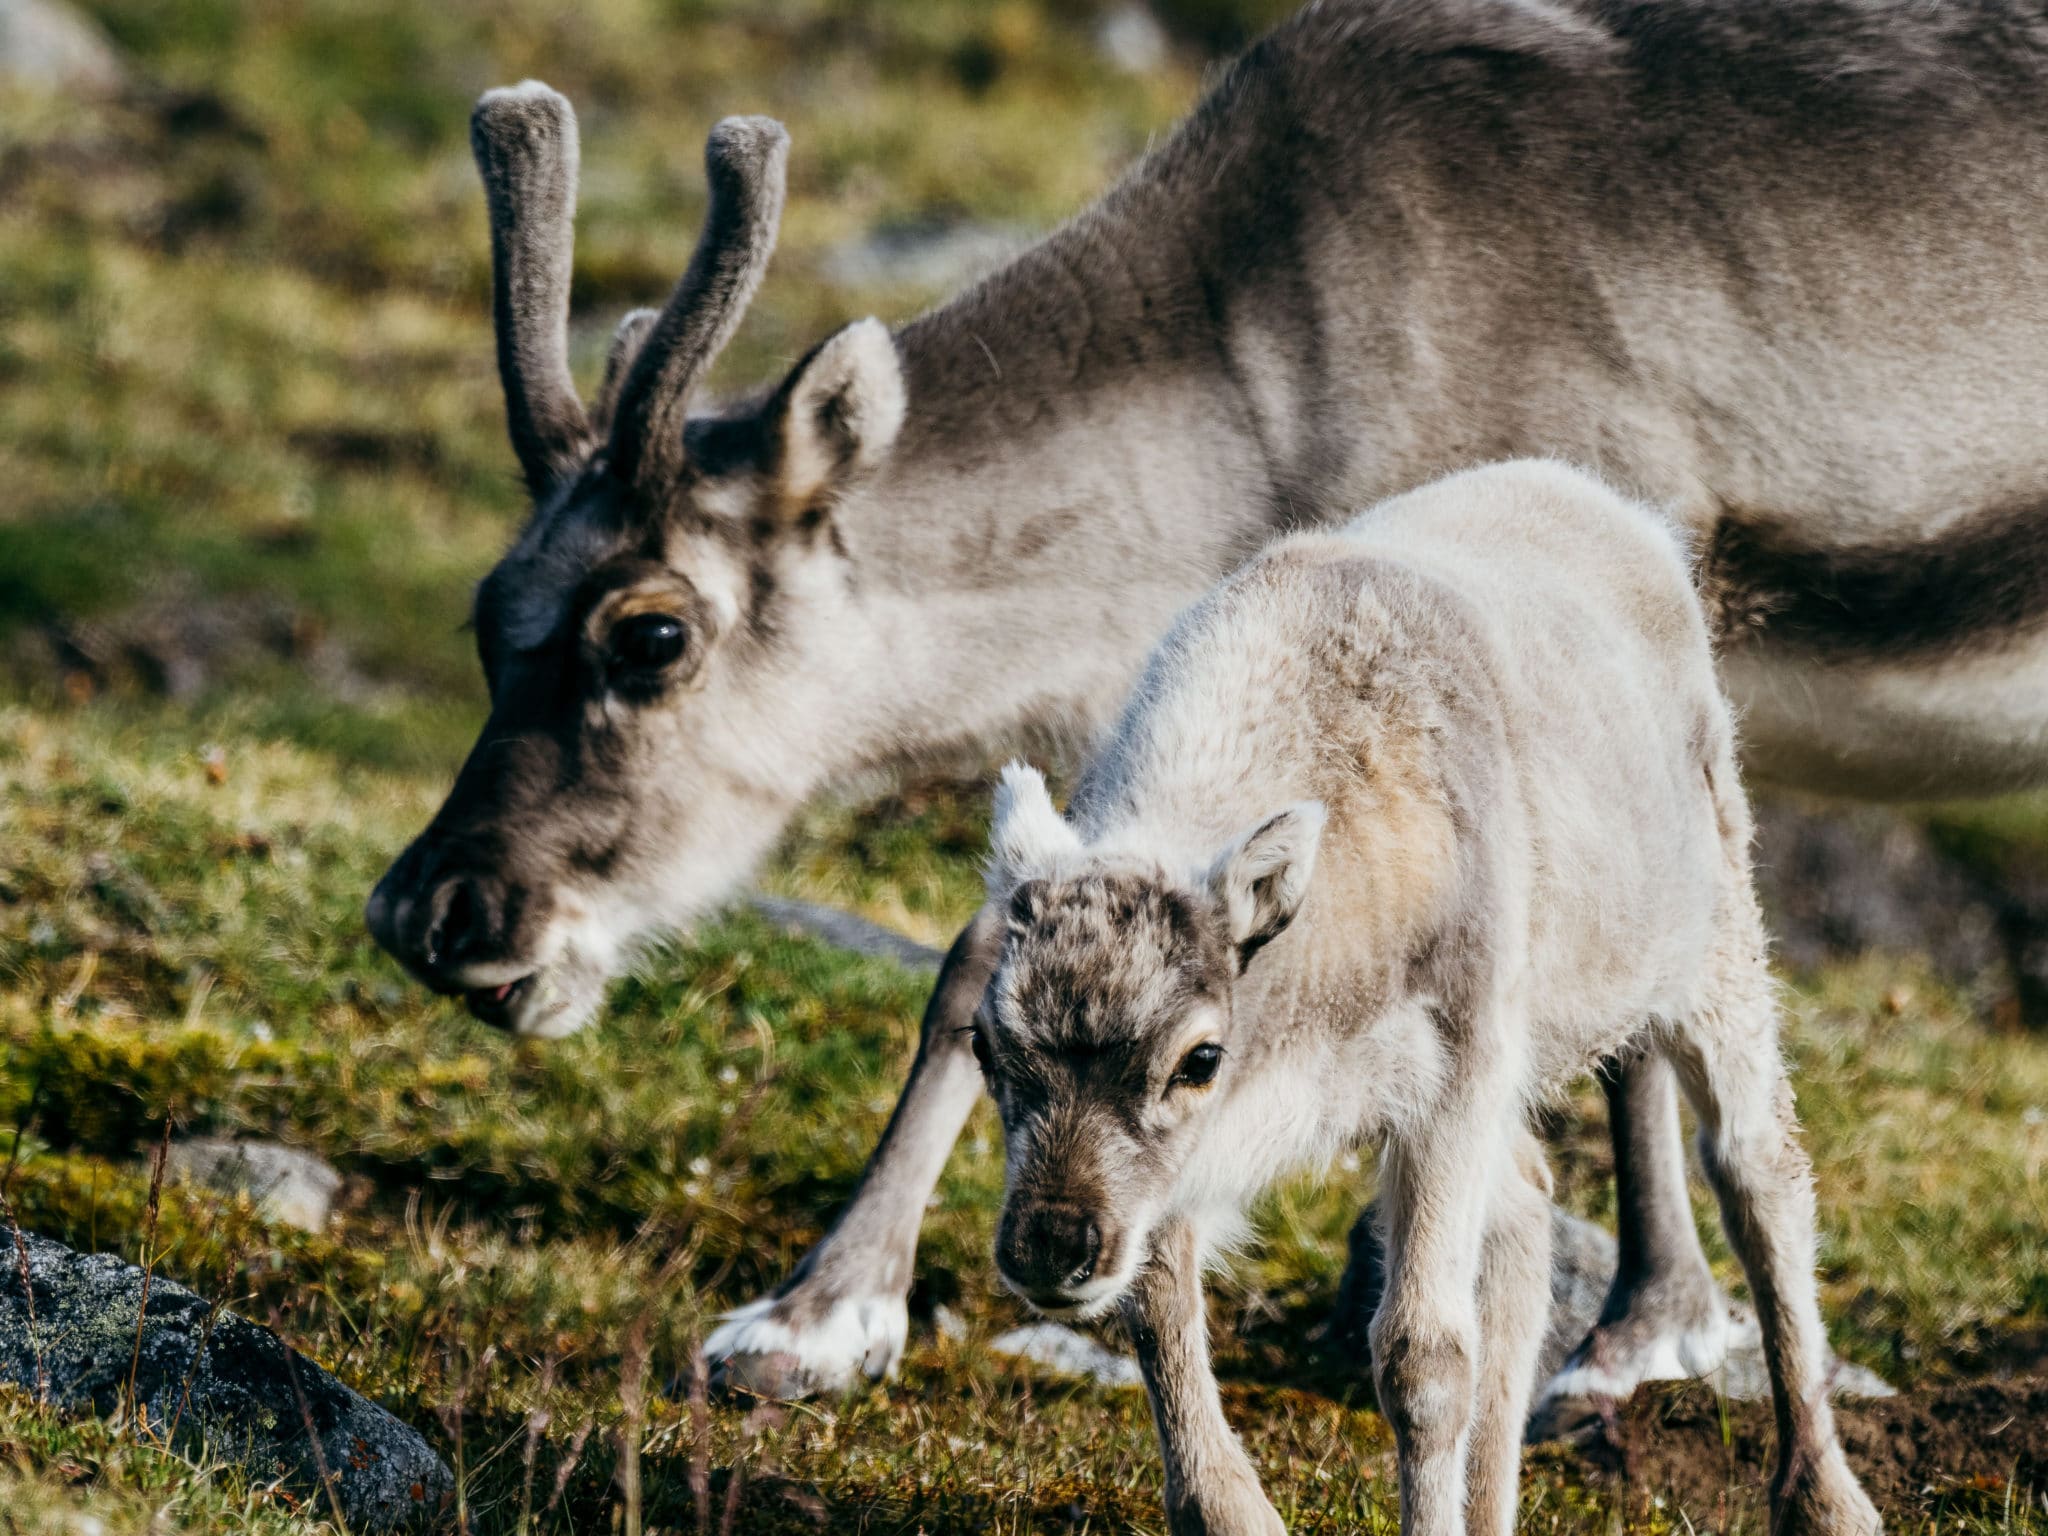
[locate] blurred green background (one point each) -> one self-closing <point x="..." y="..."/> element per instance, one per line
<point x="252" y="462"/>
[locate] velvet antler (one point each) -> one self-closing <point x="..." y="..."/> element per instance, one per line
<point x="524" y="138"/>
<point x="744" y="160"/>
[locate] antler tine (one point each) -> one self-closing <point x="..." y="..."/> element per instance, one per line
<point x="627" y="341"/>
<point x="524" y="138"/>
<point x="745" y="160"/>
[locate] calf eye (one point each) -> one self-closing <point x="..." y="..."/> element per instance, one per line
<point x="647" y="642"/>
<point x="982" y="1054"/>
<point x="1198" y="1067"/>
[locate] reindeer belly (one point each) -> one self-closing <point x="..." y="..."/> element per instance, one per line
<point x="1911" y="667"/>
<point x="1906" y="727"/>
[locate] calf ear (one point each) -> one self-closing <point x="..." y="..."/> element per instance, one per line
<point x="836" y="414"/>
<point x="1026" y="835"/>
<point x="1259" y="880"/>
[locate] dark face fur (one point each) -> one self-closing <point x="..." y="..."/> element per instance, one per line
<point x="625" y="778"/>
<point x="1105" y="1037"/>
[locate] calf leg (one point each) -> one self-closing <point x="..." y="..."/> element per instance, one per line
<point x="1211" y="1487"/>
<point x="1514" y="1296"/>
<point x="1727" y="1057"/>
<point x="1664" y="1319"/>
<point x="843" y="1312"/>
<point x="1438" y="1188"/>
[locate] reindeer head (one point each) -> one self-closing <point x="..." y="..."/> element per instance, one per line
<point x="1109" y="1039"/>
<point x="637" y="639"/>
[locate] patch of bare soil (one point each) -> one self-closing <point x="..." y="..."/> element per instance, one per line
<point x="1977" y="1444"/>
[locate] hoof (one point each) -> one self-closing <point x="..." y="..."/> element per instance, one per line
<point x="1652" y="1343"/>
<point x="790" y="1347"/>
<point x="1827" y="1501"/>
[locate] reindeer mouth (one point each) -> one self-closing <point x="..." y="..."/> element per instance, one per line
<point x="498" y="1006"/>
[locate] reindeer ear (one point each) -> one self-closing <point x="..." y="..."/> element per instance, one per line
<point x="1260" y="880"/>
<point x="837" y="413"/>
<point x="1026" y="835"/>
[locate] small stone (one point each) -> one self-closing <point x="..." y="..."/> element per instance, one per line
<point x="950" y="1324"/>
<point x="1131" y="39"/>
<point x="48" y="46"/>
<point x="935" y="257"/>
<point x="287" y="1185"/>
<point x="1061" y="1350"/>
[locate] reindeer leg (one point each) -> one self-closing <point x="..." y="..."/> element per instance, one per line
<point x="1728" y="1056"/>
<point x="1211" y="1486"/>
<point x="1441" y="1186"/>
<point x="1514" y="1292"/>
<point x="842" y="1315"/>
<point x="1664" y="1319"/>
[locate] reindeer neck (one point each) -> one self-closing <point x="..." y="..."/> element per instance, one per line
<point x="1076" y="466"/>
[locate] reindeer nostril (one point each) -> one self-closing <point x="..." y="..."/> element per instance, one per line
<point x="451" y="935"/>
<point x="1091" y="1248"/>
<point x="1049" y="1248"/>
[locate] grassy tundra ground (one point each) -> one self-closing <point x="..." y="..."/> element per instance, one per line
<point x="253" y="456"/>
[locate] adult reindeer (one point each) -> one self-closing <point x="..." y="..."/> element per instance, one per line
<point x="1780" y="266"/>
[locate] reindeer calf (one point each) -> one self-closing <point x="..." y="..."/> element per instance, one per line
<point x="1474" y="789"/>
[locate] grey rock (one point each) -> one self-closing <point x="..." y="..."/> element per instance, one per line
<point x="1131" y="39"/>
<point x="843" y="930"/>
<point x="286" y="1184"/>
<point x="925" y="255"/>
<point x="240" y="1386"/>
<point x="1061" y="1350"/>
<point x="46" y="45"/>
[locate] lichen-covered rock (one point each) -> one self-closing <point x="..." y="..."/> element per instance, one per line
<point x="287" y="1185"/>
<point x="241" y="1387"/>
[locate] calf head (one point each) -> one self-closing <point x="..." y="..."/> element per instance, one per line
<point x="639" y="638"/>
<point x="1107" y="1034"/>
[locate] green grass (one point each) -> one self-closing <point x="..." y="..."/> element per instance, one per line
<point x="179" y="942"/>
<point x="249" y="428"/>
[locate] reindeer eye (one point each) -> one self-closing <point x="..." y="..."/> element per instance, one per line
<point x="647" y="642"/>
<point x="982" y="1055"/>
<point x="1197" y="1069"/>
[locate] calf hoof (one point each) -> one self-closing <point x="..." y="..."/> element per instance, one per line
<point x="794" y="1346"/>
<point x="1824" y="1500"/>
<point x="1235" y="1510"/>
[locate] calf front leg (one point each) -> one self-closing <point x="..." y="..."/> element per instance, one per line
<point x="1514" y="1309"/>
<point x="1436" y="1192"/>
<point x="1211" y="1487"/>
<point x="843" y="1313"/>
